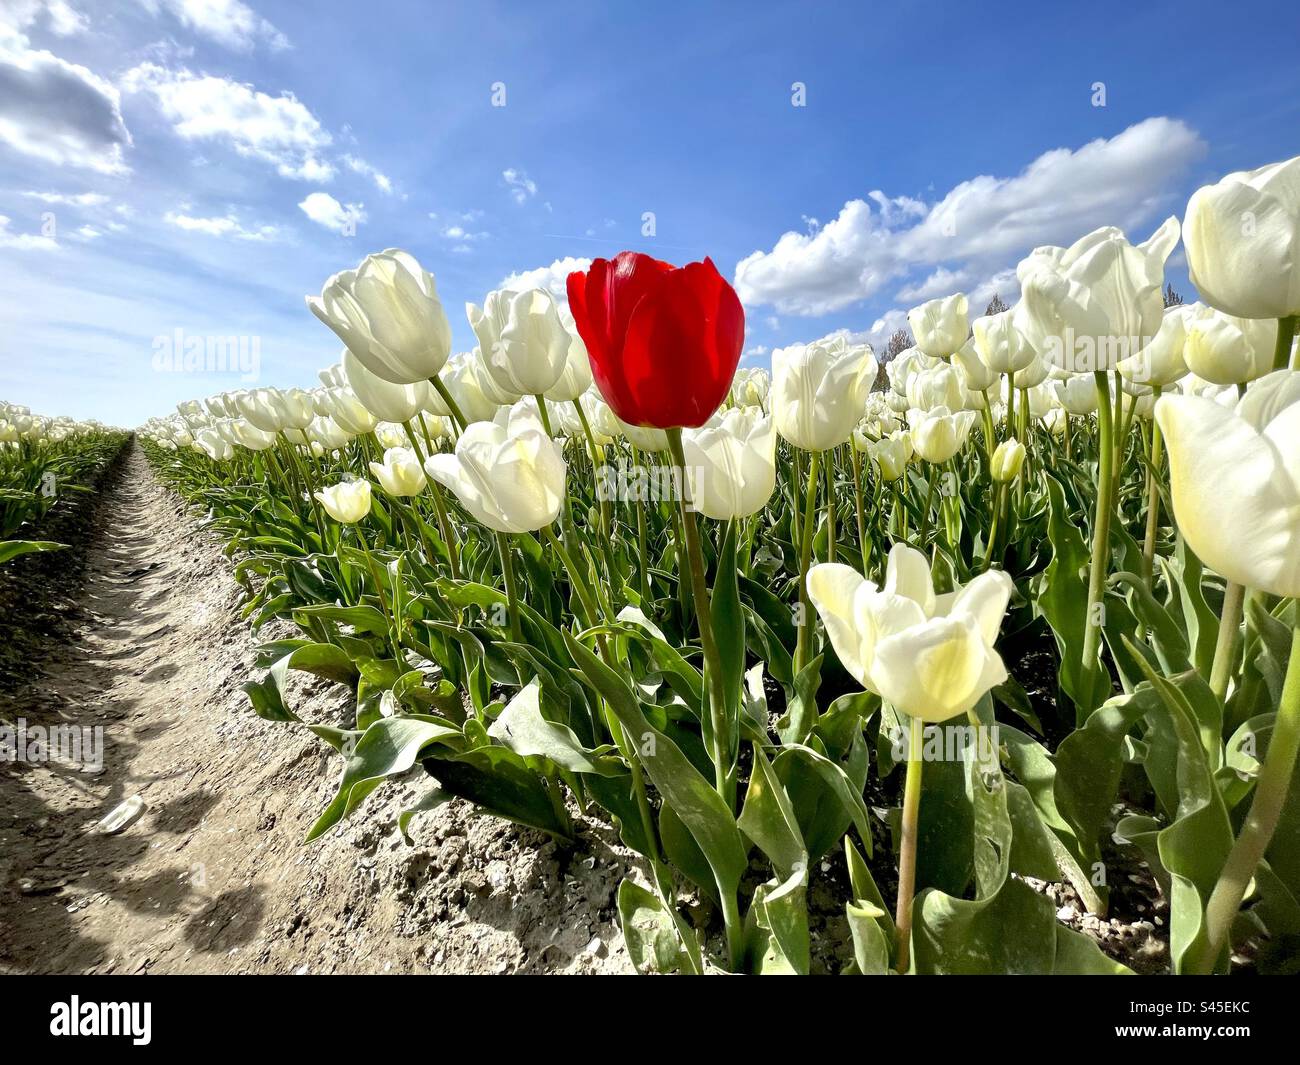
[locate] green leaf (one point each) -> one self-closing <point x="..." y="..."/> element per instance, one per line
<point x="801" y="714"/>
<point x="502" y="783"/>
<point x="1193" y="849"/>
<point x="871" y="952"/>
<point x="837" y="798"/>
<point x="390" y="746"/>
<point x="649" y="932"/>
<point x="1062" y="599"/>
<point x="692" y="798"/>
<point x="769" y="820"/>
<point x="779" y="939"/>
<point x="13" y="548"/>
<point x="1008" y="927"/>
<point x="522" y="728"/>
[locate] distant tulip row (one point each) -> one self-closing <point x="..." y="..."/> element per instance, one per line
<point x="871" y="564"/>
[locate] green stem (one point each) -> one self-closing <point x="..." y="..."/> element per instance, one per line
<point x="457" y="415"/>
<point x="830" y="505"/>
<point x="907" y="845"/>
<point x="856" y="459"/>
<point x="997" y="525"/>
<point x="929" y="504"/>
<point x="719" y="726"/>
<point x="1271" y="789"/>
<point x="1100" y="562"/>
<point x="439" y="509"/>
<point x="1153" y="500"/>
<point x="512" y="592"/>
<point x="1225" y="657"/>
<point x="376" y="576"/>
<point x="1286" y="328"/>
<point x="541" y="409"/>
<point x="803" y="643"/>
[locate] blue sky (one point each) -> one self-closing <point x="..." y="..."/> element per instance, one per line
<point x="202" y="165"/>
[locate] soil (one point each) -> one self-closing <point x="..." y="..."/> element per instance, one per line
<point x="214" y="877"/>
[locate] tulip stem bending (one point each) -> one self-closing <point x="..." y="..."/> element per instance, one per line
<point x="1100" y="563"/>
<point x="907" y="846"/>
<point x="1271" y="789"/>
<point x="718" y="723"/>
<point x="458" y="416"/>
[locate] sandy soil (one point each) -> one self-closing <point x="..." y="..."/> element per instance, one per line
<point x="213" y="877"/>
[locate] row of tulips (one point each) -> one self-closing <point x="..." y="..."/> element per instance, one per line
<point x="42" y="461"/>
<point x="591" y="567"/>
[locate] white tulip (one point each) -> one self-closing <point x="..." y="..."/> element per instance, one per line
<point x="386" y="401"/>
<point x="575" y="378"/>
<point x="818" y="392"/>
<point x="1161" y="362"/>
<point x="347" y="502"/>
<point x="1001" y="346"/>
<point x="1235" y="478"/>
<point x="1243" y="241"/>
<point x="1228" y="350"/>
<point x="930" y="656"/>
<point x="975" y="374"/>
<point x="731" y="465"/>
<point x="892" y="454"/>
<point x="938" y="434"/>
<point x="250" y="436"/>
<point x="1076" y="393"/>
<point x="523" y="342"/>
<point x="400" y="474"/>
<point x="510" y="477"/>
<point x="1086" y="307"/>
<point x="940" y="326"/>
<point x="938" y="387"/>
<point x="388" y="314"/>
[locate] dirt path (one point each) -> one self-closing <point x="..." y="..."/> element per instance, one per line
<point x="213" y="876"/>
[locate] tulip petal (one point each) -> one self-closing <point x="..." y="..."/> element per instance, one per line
<point x="1236" y="497"/>
<point x="985" y="599"/>
<point x="933" y="670"/>
<point x="907" y="573"/>
<point x="835" y="591"/>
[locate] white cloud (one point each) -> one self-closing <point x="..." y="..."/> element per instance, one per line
<point x="24" y="241"/>
<point x="57" y="16"/>
<point x="275" y="129"/>
<point x="553" y="278"/>
<point x="522" y="187"/>
<point x="465" y="236"/>
<point x="58" y="111"/>
<point x="227" y="225"/>
<point x="382" y="181"/>
<point x="942" y="282"/>
<point x="230" y="23"/>
<point x="87" y="233"/>
<point x="70" y="199"/>
<point x="977" y="229"/>
<point x="325" y="210"/>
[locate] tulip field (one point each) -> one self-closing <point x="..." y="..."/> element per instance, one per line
<point x="1008" y="609"/>
<point x="41" y="461"/>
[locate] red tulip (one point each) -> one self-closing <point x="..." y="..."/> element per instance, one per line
<point x="663" y="340"/>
